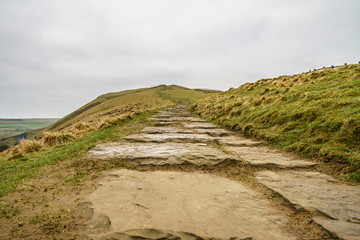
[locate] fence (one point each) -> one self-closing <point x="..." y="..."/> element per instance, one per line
<point x="332" y="66"/>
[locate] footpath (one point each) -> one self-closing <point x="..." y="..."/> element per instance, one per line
<point x="193" y="180"/>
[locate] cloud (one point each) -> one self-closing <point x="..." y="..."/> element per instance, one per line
<point x="57" y="55"/>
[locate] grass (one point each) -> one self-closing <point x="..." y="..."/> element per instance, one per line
<point x="15" y="170"/>
<point x="112" y="105"/>
<point x="316" y="115"/>
<point x="184" y="96"/>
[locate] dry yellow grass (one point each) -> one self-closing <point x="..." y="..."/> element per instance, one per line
<point x="24" y="147"/>
<point x="55" y="138"/>
<point x="107" y="110"/>
<point x="101" y="113"/>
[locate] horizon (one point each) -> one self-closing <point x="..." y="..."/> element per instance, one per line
<point x="310" y="70"/>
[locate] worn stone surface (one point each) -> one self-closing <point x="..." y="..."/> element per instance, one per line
<point x="176" y="119"/>
<point x="164" y="123"/>
<point x="160" y="204"/>
<point x="238" y="141"/>
<point x="262" y="156"/>
<point x="199" y="125"/>
<point x="337" y="206"/>
<point x="170" y="137"/>
<point x="215" y="132"/>
<point x="166" y="153"/>
<point x="163" y="130"/>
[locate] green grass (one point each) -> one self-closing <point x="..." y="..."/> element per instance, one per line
<point x="14" y="171"/>
<point x="316" y="115"/>
<point x="184" y="96"/>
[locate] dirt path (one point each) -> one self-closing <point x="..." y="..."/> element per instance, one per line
<point x="196" y="181"/>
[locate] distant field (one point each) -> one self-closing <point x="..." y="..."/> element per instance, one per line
<point x="12" y="127"/>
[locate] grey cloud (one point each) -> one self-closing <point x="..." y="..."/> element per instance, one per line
<point x="57" y="55"/>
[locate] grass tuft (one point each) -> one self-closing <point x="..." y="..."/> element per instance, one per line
<point x="55" y="138"/>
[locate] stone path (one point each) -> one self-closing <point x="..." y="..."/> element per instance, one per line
<point x="160" y="204"/>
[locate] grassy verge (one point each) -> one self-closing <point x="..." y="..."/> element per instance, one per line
<point x="316" y="115"/>
<point x="14" y="171"/>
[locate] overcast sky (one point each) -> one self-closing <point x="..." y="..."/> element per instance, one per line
<point x="57" y="55"/>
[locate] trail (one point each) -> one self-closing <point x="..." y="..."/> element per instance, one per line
<point x="194" y="180"/>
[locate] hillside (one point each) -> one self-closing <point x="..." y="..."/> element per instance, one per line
<point x="72" y="135"/>
<point x="129" y="158"/>
<point x="315" y="114"/>
<point x="111" y="106"/>
<point x="127" y="102"/>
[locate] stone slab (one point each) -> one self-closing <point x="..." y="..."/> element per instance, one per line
<point x="160" y="154"/>
<point x="214" y="132"/>
<point x="176" y="119"/>
<point x="336" y="206"/>
<point x="262" y="156"/>
<point x="163" y="123"/>
<point x="158" y="130"/>
<point x="199" y="125"/>
<point x="156" y="205"/>
<point x="170" y="137"/>
<point x="238" y="141"/>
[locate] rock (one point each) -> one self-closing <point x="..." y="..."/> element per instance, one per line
<point x="156" y="154"/>
<point x="99" y="223"/>
<point x="176" y="119"/>
<point x="262" y="156"/>
<point x="162" y="130"/>
<point x="215" y="132"/>
<point x="199" y="125"/>
<point x="170" y="137"/>
<point x="336" y="206"/>
<point x="160" y="124"/>
<point x="238" y="141"/>
<point x="180" y="205"/>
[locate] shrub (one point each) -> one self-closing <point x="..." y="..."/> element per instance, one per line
<point x="81" y="126"/>
<point x="24" y="147"/>
<point x="54" y="138"/>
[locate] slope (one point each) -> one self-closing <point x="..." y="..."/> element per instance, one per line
<point x="315" y="114"/>
<point x="100" y="120"/>
<point x="127" y="102"/>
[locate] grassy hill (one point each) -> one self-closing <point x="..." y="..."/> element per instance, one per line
<point x="109" y="107"/>
<point x="106" y="118"/>
<point x="315" y="114"/>
<point x="127" y="102"/>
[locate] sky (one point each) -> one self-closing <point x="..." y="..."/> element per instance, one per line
<point x="58" y="55"/>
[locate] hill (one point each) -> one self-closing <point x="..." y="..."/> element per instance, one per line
<point x="109" y="107"/>
<point x="127" y="102"/>
<point x="103" y="119"/>
<point x="315" y="114"/>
